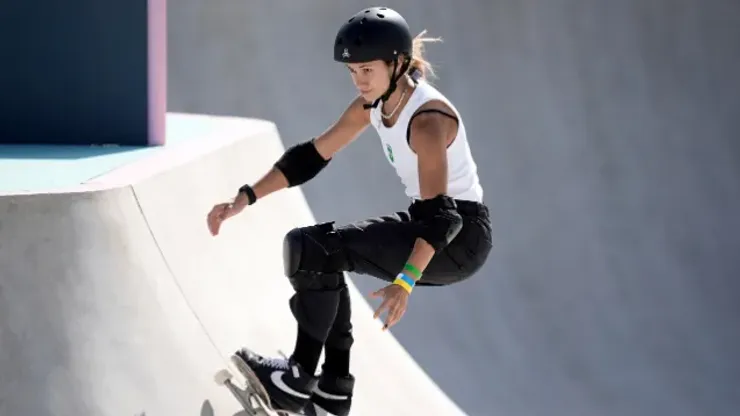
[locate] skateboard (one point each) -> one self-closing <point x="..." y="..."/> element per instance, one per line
<point x="251" y="394"/>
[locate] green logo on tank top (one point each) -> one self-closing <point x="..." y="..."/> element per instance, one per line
<point x="389" y="149"/>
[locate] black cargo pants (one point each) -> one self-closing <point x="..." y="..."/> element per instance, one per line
<point x="378" y="247"/>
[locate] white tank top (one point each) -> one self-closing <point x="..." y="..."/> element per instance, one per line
<point x="462" y="180"/>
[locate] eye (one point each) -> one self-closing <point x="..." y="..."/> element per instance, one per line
<point x="367" y="70"/>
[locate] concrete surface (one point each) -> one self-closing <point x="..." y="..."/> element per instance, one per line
<point x="44" y="168"/>
<point x="607" y="135"/>
<point x="115" y="300"/>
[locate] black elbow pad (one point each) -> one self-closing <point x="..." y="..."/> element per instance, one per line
<point x="440" y="219"/>
<point x="301" y="163"/>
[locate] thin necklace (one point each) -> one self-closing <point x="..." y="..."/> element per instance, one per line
<point x="398" y="104"/>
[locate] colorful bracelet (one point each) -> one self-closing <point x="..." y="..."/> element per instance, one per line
<point x="405" y="282"/>
<point x="413" y="271"/>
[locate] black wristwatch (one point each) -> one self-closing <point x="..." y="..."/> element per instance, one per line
<point x="249" y="192"/>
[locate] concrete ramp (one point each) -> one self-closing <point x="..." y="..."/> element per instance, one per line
<point x="91" y="319"/>
<point x="115" y="300"/>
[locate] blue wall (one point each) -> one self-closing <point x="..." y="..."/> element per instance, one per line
<point x="74" y="72"/>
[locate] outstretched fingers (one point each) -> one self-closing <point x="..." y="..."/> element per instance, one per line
<point x="394" y="315"/>
<point x="383" y="305"/>
<point x="394" y="304"/>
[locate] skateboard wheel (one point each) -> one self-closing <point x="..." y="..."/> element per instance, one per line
<point x="222" y="377"/>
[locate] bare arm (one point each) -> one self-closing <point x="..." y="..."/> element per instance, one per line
<point x="348" y="127"/>
<point x="431" y="134"/>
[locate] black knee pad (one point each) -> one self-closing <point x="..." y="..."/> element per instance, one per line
<point x="292" y="250"/>
<point x="313" y="257"/>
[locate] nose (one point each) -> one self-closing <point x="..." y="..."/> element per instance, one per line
<point x="360" y="83"/>
<point x="359" y="77"/>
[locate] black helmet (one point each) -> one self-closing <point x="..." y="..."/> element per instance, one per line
<point x="375" y="33"/>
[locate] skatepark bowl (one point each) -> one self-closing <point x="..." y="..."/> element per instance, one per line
<point x="607" y="140"/>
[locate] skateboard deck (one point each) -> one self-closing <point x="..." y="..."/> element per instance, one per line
<point x="252" y="396"/>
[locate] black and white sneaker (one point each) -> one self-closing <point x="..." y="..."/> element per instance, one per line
<point x="287" y="385"/>
<point x="331" y="397"/>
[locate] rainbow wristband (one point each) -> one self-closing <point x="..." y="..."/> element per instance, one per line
<point x="413" y="271"/>
<point x="405" y="282"/>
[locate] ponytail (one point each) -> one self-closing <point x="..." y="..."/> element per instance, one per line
<point x="419" y="66"/>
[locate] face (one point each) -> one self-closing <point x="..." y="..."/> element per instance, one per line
<point x="370" y="78"/>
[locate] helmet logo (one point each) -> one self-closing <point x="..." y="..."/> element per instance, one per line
<point x="345" y="54"/>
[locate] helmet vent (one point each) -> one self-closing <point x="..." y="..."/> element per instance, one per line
<point x="382" y="16"/>
<point x="351" y="19"/>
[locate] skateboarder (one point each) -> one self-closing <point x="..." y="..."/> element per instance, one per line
<point x="444" y="237"/>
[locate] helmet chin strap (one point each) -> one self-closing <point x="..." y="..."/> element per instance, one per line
<point x="393" y="84"/>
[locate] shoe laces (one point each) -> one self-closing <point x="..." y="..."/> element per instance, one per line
<point x="277" y="363"/>
<point x="294" y="369"/>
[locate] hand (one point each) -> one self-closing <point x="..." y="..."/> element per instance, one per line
<point x="221" y="212"/>
<point x="395" y="299"/>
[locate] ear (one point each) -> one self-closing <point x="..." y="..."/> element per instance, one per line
<point x="402" y="59"/>
<point x="389" y="66"/>
<point x="399" y="64"/>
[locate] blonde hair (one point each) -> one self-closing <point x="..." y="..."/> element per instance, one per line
<point x="419" y="64"/>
